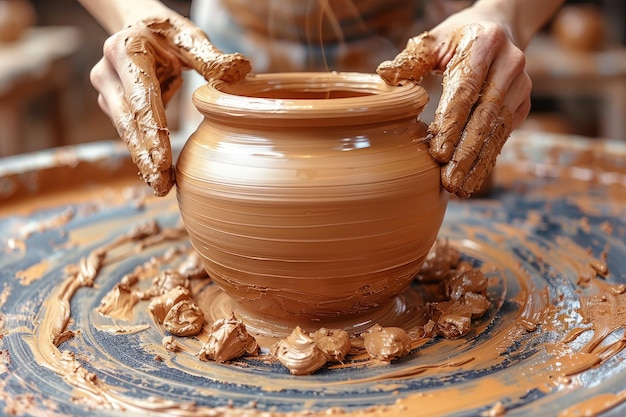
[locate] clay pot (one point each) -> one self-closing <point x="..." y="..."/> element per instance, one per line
<point x="579" y="27"/>
<point x="310" y="195"/>
<point x="16" y="17"/>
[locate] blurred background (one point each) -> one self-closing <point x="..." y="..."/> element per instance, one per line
<point x="578" y="66"/>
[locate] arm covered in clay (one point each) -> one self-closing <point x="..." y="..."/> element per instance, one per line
<point x="486" y="90"/>
<point x="141" y="70"/>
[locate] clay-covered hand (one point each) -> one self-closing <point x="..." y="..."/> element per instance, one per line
<point x="140" y="72"/>
<point x="486" y="94"/>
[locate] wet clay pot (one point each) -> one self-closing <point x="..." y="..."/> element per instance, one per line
<point x="310" y="196"/>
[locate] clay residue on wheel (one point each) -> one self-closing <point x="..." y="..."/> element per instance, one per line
<point x="386" y="343"/>
<point x="228" y="339"/>
<point x="569" y="338"/>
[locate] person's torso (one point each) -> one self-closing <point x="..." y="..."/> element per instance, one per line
<point x="296" y="35"/>
<point x="324" y="21"/>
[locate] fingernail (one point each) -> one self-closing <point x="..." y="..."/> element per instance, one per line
<point x="442" y="152"/>
<point x="457" y="178"/>
<point x="446" y="148"/>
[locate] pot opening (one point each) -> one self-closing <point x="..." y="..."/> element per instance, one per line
<point x="311" y="96"/>
<point x="306" y="86"/>
<point x="293" y="94"/>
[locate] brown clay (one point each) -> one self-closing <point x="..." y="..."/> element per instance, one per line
<point x="310" y="196"/>
<point x="228" y="339"/>
<point x="299" y="353"/>
<point x="386" y="343"/>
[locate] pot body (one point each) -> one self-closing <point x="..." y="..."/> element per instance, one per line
<point x="310" y="195"/>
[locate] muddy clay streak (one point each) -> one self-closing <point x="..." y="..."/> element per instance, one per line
<point x="548" y="376"/>
<point x="52" y="330"/>
<point x="595" y="406"/>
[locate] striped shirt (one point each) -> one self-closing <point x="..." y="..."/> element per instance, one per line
<point x="315" y="35"/>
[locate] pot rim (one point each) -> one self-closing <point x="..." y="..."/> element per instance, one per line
<point x="378" y="102"/>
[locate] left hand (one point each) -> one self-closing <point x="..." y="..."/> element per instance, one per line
<point x="486" y="93"/>
<point x="141" y="69"/>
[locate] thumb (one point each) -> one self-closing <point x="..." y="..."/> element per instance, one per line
<point x="416" y="60"/>
<point x="195" y="50"/>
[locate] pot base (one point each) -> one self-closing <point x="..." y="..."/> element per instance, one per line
<point x="311" y="195"/>
<point x="407" y="311"/>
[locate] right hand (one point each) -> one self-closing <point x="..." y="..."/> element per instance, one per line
<point x="140" y="71"/>
<point x="486" y="92"/>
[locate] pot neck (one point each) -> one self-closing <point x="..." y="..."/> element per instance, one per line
<point x="310" y="98"/>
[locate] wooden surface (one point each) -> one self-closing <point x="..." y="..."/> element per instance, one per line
<point x="37" y="64"/>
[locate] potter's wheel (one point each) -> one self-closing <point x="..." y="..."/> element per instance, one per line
<point x="558" y="206"/>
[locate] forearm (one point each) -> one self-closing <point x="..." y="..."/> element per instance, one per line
<point x="523" y="17"/>
<point x="115" y="15"/>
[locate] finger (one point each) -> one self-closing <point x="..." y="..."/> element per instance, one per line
<point x="413" y="63"/>
<point x="462" y="82"/>
<point x="194" y="49"/>
<point x="140" y="116"/>
<point x="482" y="122"/>
<point x="104" y="80"/>
<point x="170" y="84"/>
<point x="523" y="86"/>
<point x="506" y="78"/>
<point x="103" y="105"/>
<point x="517" y="97"/>
<point x="488" y="154"/>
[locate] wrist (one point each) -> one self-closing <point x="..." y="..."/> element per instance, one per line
<point x="521" y="18"/>
<point x="115" y="15"/>
<point x="135" y="11"/>
<point x="503" y="12"/>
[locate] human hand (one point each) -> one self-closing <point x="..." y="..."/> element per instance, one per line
<point x="140" y="72"/>
<point x="486" y="93"/>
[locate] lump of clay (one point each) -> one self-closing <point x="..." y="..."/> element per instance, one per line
<point x="299" y="353"/>
<point x="168" y="280"/>
<point x="170" y="344"/>
<point x="454" y="319"/>
<point x="441" y="259"/>
<point x="386" y="343"/>
<point x="160" y="306"/>
<point x="465" y="282"/>
<point x="184" y="319"/>
<point x="477" y="304"/>
<point x="228" y="339"/>
<point x="334" y="343"/>
<point x="119" y="301"/>
<point x="193" y="267"/>
<point x="453" y="326"/>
